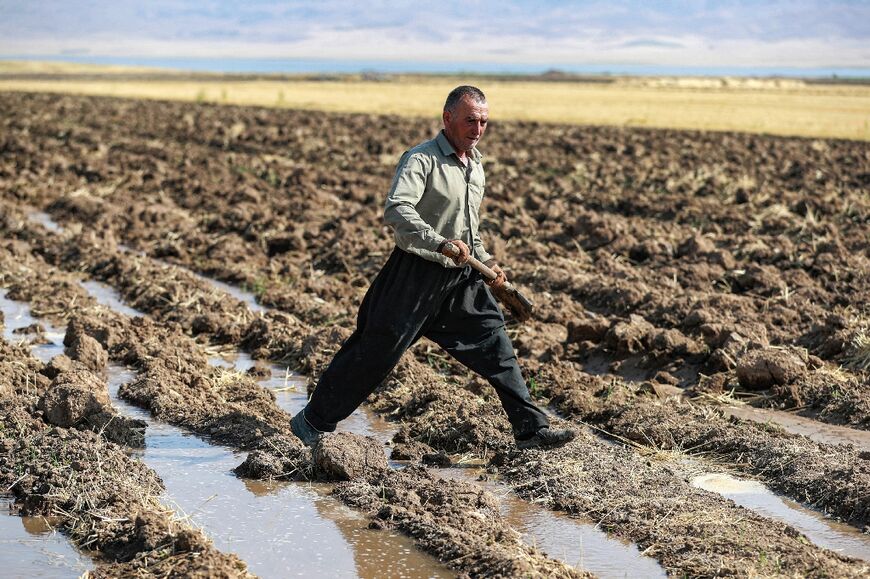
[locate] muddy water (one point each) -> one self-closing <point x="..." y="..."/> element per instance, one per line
<point x="824" y="532"/>
<point x="45" y="220"/>
<point x="240" y="294"/>
<point x="278" y="529"/>
<point x="18" y="316"/>
<point x="570" y="540"/>
<point x="812" y="429"/>
<point x="29" y="547"/>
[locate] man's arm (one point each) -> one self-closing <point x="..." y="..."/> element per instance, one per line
<point x="478" y="250"/>
<point x="400" y="211"/>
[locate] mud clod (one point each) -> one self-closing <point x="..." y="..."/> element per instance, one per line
<point x="769" y="367"/>
<point x="346" y="456"/>
<point x="592" y="330"/>
<point x="629" y="337"/>
<point x="89" y="352"/>
<point x="73" y="397"/>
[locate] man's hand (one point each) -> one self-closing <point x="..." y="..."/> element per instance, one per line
<point x="502" y="277"/>
<point x="459" y="258"/>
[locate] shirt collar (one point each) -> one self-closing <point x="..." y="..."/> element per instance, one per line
<point x="447" y="149"/>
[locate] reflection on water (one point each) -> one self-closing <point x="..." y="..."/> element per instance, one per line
<point x="820" y="530"/>
<point x="17" y="315"/>
<point x="278" y="528"/>
<point x="108" y="297"/>
<point x="572" y="541"/>
<point x="29" y="547"/>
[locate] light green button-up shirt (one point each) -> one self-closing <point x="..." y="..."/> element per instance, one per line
<point x="435" y="197"/>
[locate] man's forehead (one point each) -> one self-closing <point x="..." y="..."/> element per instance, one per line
<point x="471" y="108"/>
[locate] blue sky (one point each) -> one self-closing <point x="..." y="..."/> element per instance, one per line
<point x="798" y="33"/>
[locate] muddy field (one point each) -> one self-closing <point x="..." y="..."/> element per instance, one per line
<point x="680" y="279"/>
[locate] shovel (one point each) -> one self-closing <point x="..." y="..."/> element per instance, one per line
<point x="518" y="305"/>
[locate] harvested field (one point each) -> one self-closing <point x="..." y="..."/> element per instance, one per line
<point x="776" y="106"/>
<point x="675" y="275"/>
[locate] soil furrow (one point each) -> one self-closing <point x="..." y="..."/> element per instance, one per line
<point x="710" y="261"/>
<point x="713" y="288"/>
<point x="176" y="384"/>
<point x="102" y="499"/>
<point x="831" y="478"/>
<point x="748" y="446"/>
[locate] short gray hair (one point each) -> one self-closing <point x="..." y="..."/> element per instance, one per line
<point x="456" y="95"/>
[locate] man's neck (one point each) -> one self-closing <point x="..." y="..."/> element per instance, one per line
<point x="460" y="154"/>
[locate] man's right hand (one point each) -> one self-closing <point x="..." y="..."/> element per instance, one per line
<point x="458" y="258"/>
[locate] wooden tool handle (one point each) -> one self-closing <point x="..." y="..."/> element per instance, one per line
<point x="473" y="262"/>
<point x="518" y="304"/>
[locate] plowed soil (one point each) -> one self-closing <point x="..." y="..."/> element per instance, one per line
<point x="721" y="267"/>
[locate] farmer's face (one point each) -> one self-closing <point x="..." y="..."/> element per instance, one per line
<point x="465" y="124"/>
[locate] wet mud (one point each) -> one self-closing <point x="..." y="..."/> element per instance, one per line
<point x="832" y="478"/>
<point x="724" y="265"/>
<point x="90" y="487"/>
<point x="176" y="384"/>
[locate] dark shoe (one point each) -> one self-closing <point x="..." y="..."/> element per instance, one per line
<point x="547" y="437"/>
<point x="303" y="430"/>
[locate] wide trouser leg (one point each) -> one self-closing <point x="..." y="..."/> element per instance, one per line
<point x="470" y="327"/>
<point x="402" y="299"/>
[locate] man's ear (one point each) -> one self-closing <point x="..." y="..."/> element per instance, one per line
<point x="445" y="117"/>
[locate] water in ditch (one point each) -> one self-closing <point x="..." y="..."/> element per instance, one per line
<point x="812" y="429"/>
<point x="568" y="539"/>
<point x="278" y="529"/>
<point x="572" y="541"/>
<point x="30" y="547"/>
<point x="815" y="430"/>
<point x="819" y="529"/>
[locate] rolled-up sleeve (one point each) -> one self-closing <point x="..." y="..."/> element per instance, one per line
<point x="400" y="212"/>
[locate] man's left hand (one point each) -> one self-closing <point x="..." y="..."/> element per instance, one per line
<point x="498" y="281"/>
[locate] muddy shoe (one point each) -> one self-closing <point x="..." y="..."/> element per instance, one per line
<point x="547" y="437"/>
<point x="304" y="431"/>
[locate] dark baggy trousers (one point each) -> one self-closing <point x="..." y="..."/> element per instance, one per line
<point x="412" y="297"/>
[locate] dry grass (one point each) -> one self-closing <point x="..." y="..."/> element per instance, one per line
<point x="728" y="105"/>
<point x="859" y="351"/>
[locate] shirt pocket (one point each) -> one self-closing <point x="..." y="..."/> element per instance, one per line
<point x="475" y="195"/>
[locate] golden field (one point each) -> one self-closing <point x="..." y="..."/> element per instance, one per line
<point x="783" y="107"/>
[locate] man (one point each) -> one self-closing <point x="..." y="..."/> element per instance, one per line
<point x="434" y="200"/>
